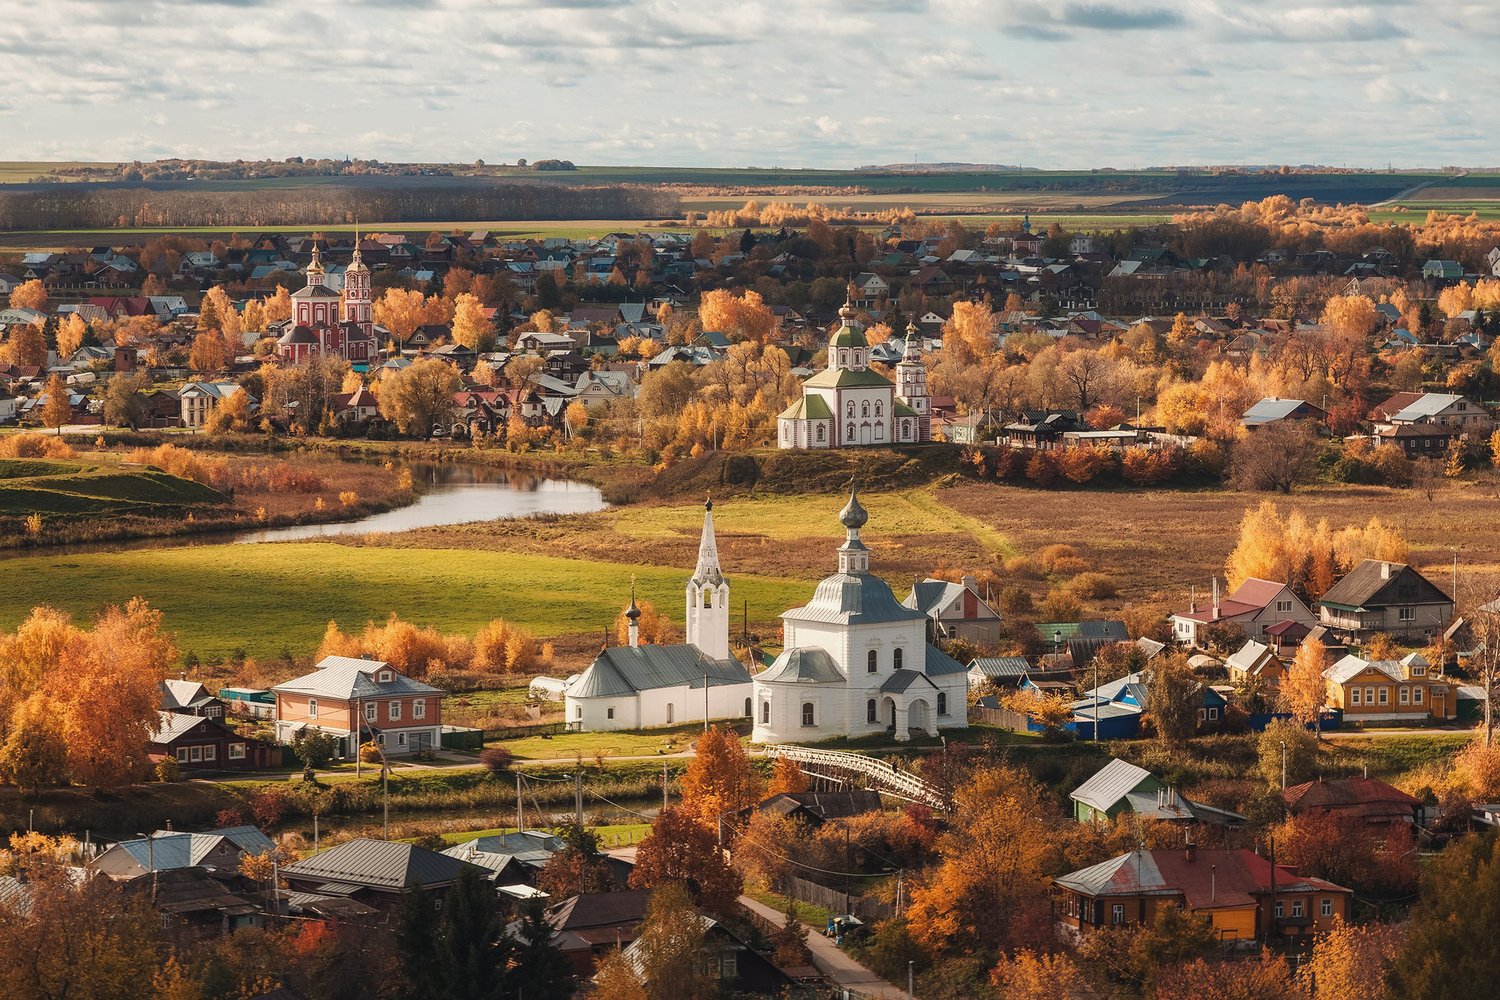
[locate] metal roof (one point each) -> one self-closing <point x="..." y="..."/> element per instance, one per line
<point x="347" y="678"/>
<point x="1001" y="666"/>
<point x="903" y="679"/>
<point x="1111" y="783"/>
<point x="623" y="670"/>
<point x="854" y="599"/>
<point x="802" y="666"/>
<point x="379" y="864"/>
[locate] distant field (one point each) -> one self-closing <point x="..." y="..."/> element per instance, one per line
<point x="961" y="203"/>
<point x="21" y="171"/>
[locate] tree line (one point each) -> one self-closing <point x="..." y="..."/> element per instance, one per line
<point x="83" y="207"/>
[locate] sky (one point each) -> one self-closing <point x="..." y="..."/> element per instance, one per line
<point x="797" y="83"/>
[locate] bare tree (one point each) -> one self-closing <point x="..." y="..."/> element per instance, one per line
<point x="1483" y="620"/>
<point x="1276" y="456"/>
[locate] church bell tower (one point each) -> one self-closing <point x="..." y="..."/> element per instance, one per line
<point x="708" y="596"/>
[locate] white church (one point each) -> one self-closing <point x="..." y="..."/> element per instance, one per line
<point x="641" y="685"/>
<point x="856" y="663"/>
<point x="847" y="404"/>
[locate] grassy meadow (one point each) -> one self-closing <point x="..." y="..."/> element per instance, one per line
<point x="48" y="487"/>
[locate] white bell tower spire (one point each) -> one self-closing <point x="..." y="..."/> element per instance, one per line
<point x="708" y="596"/>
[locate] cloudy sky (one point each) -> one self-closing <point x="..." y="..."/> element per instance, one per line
<point x="1065" y="83"/>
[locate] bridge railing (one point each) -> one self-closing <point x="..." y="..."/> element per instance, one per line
<point x="901" y="783"/>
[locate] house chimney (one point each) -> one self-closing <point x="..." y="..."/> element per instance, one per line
<point x="1385" y="571"/>
<point x="1193" y="600"/>
<point x="1191" y="852"/>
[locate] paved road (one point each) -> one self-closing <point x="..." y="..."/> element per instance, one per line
<point x="832" y="960"/>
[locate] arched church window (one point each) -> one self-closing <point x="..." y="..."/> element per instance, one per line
<point x="765" y="712"/>
<point x="942" y="703"/>
<point x="748" y="713"/>
<point x="807" y="713"/>
<point x="897" y="657"/>
<point x="850" y="408"/>
<point x="850" y="435"/>
<point x="872" y="663"/>
<point x="843" y="357"/>
<point x="870" y="711"/>
<point x="879" y="410"/>
<point x="864" y="408"/>
<point x="708" y="597"/>
<point x="821" y="434"/>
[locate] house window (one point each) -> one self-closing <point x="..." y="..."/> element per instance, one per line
<point x="312" y="708"/>
<point x="1296" y="907"/>
<point x="1405" y="697"/>
<point x="849" y="410"/>
<point x="380" y="740"/>
<point x="197" y="754"/>
<point x="731" y="965"/>
<point x="578" y="712"/>
<point x="896" y="658"/>
<point x="401" y="739"/>
<point x="1280" y="909"/>
<point x="1417" y="670"/>
<point x="1354" y="696"/>
<point x="671" y="713"/>
<point x="942" y="703"/>
<point x="1369" y="696"/>
<point x="871" y="662"/>
<point x="1385" y="696"/>
<point x="419" y="709"/>
<point x="871" y="711"/>
<point x="385" y="677"/>
<point x="850" y="435"/>
<point x="1284" y="607"/>
<point x="878" y="409"/>
<point x="210" y="753"/>
<point x="1327" y="907"/>
<point x="1407" y="614"/>
<point x="1416" y="695"/>
<point x="394" y="711"/>
<point x="609" y="713"/>
<point x="1117" y="913"/>
<point x="236" y="751"/>
<point x="864" y="408"/>
<point x="765" y="713"/>
<point x="372" y="711"/>
<point x="1213" y="714"/>
<point x="182" y="755"/>
<point x="807" y="714"/>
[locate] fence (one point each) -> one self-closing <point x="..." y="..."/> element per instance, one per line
<point x="521" y="732"/>
<point x="1002" y="717"/>
<point x="838" y="901"/>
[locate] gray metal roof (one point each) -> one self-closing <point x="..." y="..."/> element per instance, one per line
<point x="940" y="663"/>
<point x="1110" y="784"/>
<point x="169" y="849"/>
<point x="802" y="666"/>
<point x="903" y="679"/>
<point x="379" y="864"/>
<point x="1142" y="876"/>
<point x="623" y="670"/>
<point x="1250" y="657"/>
<point x="177" y="694"/>
<point x="347" y="678"/>
<point x="931" y="595"/>
<point x="1001" y="666"/>
<point x="854" y="599"/>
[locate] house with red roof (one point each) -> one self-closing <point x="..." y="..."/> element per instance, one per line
<point x="1255" y="605"/>
<point x="1243" y="894"/>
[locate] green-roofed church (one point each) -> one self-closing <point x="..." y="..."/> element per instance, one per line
<point x="848" y="405"/>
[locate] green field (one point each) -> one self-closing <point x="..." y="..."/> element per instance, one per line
<point x="40" y="486"/>
<point x="267" y="598"/>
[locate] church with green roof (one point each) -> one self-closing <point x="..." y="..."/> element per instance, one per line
<point x="848" y="405"/>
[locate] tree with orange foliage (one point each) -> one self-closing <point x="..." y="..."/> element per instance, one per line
<point x="29" y="295"/>
<point x="787" y="778"/>
<point x="1267" y="978"/>
<point x="988" y="893"/>
<point x="718" y="783"/>
<point x="741" y="317"/>
<point x="1304" y="689"/>
<point x="1349" y="962"/>
<point x="679" y="848"/>
<point x="25" y="345"/>
<point x="652" y="627"/>
<point x="57" y="411"/>
<point x="1031" y="975"/>
<point x="471" y="327"/>
<point x="70" y="334"/>
<point x="402" y="310"/>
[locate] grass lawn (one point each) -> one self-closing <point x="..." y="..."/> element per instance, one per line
<point x="569" y="746"/>
<point x="813" y="916"/>
<point x="42" y="486"/>
<point x="268" y="598"/>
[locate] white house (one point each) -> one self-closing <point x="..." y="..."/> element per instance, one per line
<point x="638" y="686"/>
<point x="1255" y="605"/>
<point x="857" y="662"/>
<point x="199" y="399"/>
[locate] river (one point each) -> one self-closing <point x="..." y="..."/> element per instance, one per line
<point x="454" y="494"/>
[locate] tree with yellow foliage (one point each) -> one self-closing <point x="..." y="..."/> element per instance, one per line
<point x="471" y="327"/>
<point x="1349" y="316"/>
<point x="1304" y="689"/>
<point x="741" y="317"/>
<point x="25" y="345"/>
<point x="652" y="627"/>
<point x="969" y="333"/>
<point x="1349" y="961"/>
<point x="1031" y="975"/>
<point x="230" y="416"/>
<point x="57" y="411"/>
<point x="29" y="295"/>
<point x="1456" y="299"/>
<point x="402" y="310"/>
<point x="70" y="335"/>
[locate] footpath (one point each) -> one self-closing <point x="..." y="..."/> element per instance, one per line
<point x="833" y="961"/>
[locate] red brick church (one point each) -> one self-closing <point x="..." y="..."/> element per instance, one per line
<point x="328" y="322"/>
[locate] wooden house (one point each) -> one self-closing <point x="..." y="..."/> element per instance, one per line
<point x="1378" y="596"/>
<point x="1406" y="690"/>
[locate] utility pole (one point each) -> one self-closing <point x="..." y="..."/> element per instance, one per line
<point x="578" y="798"/>
<point x="705" y="702"/>
<point x="664" y="784"/>
<point x="910" y="980"/>
<point x="1283" y="765"/>
<point x="519" y="825"/>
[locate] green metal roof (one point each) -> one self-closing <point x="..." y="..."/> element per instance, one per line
<point x="849" y="335"/>
<point x="902" y="410"/>
<point x="844" y="378"/>
<point x="809" y="407"/>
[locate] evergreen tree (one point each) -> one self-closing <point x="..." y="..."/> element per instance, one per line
<point x="540" y="964"/>
<point x="463" y="954"/>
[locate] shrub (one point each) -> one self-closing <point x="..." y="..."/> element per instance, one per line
<point x="496" y="759"/>
<point x="168" y="770"/>
<point x="1047" y="558"/>
<point x="1092" y="586"/>
<point x="270" y="804"/>
<point x="32" y="445"/>
<point x="1061" y="606"/>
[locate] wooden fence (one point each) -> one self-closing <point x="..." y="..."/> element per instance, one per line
<point x="838" y="901"/>
<point x="1002" y="717"/>
<point x="521" y="732"/>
